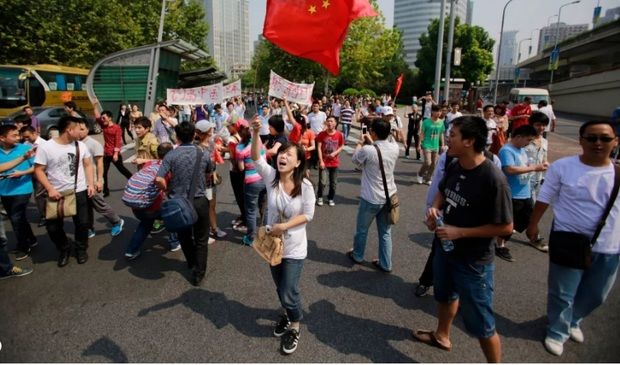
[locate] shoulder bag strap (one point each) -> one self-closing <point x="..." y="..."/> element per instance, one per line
<point x="610" y="204"/>
<point x="77" y="164"/>
<point x="385" y="187"/>
<point x="192" y="187"/>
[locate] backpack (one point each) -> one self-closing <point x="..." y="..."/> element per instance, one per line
<point x="140" y="191"/>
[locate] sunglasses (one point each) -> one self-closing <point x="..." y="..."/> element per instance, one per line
<point x="593" y="139"/>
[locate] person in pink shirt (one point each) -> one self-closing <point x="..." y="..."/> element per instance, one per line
<point x="330" y="143"/>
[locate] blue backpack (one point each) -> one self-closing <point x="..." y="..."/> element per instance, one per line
<point x="140" y="191"/>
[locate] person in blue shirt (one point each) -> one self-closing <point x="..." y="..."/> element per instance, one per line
<point x="16" y="168"/>
<point x="518" y="169"/>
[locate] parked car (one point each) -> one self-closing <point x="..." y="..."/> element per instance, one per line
<point x="48" y="117"/>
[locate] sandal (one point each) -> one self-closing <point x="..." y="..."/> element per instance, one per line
<point x="428" y="337"/>
<point x="378" y="266"/>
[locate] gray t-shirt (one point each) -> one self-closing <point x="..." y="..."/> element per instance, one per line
<point x="180" y="163"/>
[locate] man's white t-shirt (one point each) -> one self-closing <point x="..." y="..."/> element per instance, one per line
<point x="317" y="121"/>
<point x="60" y="164"/>
<point x="579" y="194"/>
<point x="492" y="129"/>
<point x="548" y="111"/>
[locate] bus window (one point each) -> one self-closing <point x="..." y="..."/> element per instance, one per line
<point x="12" y="93"/>
<point x="77" y="80"/>
<point x="61" y="82"/>
<point x="36" y="92"/>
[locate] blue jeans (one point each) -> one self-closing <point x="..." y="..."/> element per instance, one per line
<point x="15" y="206"/>
<point x="346" y="128"/>
<point x="573" y="293"/>
<point x="365" y="215"/>
<point x="146" y="219"/>
<point x="5" y="261"/>
<point x="471" y="284"/>
<point x="254" y="195"/>
<point x="286" y="277"/>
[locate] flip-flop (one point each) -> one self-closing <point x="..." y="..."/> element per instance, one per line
<point x="428" y="337"/>
<point x="378" y="266"/>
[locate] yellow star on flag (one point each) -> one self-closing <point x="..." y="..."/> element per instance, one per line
<point x="325" y="4"/>
<point x="312" y="9"/>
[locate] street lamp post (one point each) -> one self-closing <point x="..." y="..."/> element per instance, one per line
<point x="499" y="52"/>
<point x="557" y="37"/>
<point x="439" y="53"/>
<point x="446" y="94"/>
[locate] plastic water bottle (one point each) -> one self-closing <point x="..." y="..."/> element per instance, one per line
<point x="447" y="245"/>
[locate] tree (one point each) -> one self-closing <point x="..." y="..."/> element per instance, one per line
<point x="78" y="33"/>
<point x="476" y="54"/>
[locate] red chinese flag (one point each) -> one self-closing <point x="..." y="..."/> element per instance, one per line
<point x="399" y="83"/>
<point x="313" y="29"/>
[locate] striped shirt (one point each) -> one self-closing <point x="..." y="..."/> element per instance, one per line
<point x="244" y="154"/>
<point x="346" y="115"/>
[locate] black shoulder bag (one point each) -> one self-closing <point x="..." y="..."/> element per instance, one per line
<point x="391" y="202"/>
<point x="574" y="250"/>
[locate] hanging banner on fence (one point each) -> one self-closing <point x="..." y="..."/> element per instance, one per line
<point x="233" y="89"/>
<point x="211" y="94"/>
<point x="297" y="93"/>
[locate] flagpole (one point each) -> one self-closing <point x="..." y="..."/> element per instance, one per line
<point x="254" y="87"/>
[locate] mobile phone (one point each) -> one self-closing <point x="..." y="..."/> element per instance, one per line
<point x="364" y="129"/>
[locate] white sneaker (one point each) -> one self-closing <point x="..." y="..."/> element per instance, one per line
<point x="211" y="241"/>
<point x="331" y="203"/>
<point x="554" y="347"/>
<point x="319" y="202"/>
<point x="419" y="180"/>
<point x="576" y="334"/>
<point x="218" y="233"/>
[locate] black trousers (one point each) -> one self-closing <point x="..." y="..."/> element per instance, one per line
<point x="426" y="278"/>
<point x="56" y="231"/>
<point x="195" y="240"/>
<point x="107" y="160"/>
<point x="125" y="127"/>
<point x="236" y="180"/>
<point x="15" y="206"/>
<point x="411" y="134"/>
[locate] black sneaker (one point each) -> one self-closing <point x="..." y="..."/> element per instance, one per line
<point x="281" y="326"/>
<point x="421" y="290"/>
<point x="289" y="341"/>
<point x="504" y="253"/>
<point x="16" y="272"/>
<point x="21" y="255"/>
<point x="42" y="222"/>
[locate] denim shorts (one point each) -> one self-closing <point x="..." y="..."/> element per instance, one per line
<point x="472" y="285"/>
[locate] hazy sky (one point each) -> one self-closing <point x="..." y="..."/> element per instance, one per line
<point x="521" y="15"/>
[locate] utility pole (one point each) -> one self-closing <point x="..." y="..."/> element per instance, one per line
<point x="446" y="93"/>
<point x="499" y="52"/>
<point x="439" y="54"/>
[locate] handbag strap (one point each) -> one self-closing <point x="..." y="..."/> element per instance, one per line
<point x="77" y="164"/>
<point x="385" y="187"/>
<point x="192" y="186"/>
<point x="610" y="204"/>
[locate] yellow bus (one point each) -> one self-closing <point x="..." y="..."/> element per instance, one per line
<point x="42" y="85"/>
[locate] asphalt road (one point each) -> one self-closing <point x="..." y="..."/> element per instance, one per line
<point x="111" y="310"/>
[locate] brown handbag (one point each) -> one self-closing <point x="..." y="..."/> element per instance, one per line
<point x="269" y="247"/>
<point x="66" y="206"/>
<point x="392" y="204"/>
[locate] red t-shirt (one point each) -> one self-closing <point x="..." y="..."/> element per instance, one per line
<point x="112" y="141"/>
<point x="329" y="144"/>
<point x="521" y="109"/>
<point x="295" y="134"/>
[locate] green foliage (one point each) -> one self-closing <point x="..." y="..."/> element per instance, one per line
<point x="78" y="33"/>
<point x="372" y="57"/>
<point x="351" y="92"/>
<point x="368" y="92"/>
<point x="476" y="55"/>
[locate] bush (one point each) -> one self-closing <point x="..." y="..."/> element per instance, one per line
<point x="368" y="92"/>
<point x="351" y="92"/>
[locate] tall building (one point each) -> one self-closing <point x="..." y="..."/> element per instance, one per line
<point x="508" y="56"/>
<point x="412" y="17"/>
<point x="547" y="35"/>
<point x="611" y="15"/>
<point x="470" y="12"/>
<point x="229" y="35"/>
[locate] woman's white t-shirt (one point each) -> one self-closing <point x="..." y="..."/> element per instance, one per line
<point x="295" y="239"/>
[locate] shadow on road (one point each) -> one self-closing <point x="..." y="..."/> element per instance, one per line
<point x="107" y="348"/>
<point x="221" y="311"/>
<point x="352" y="335"/>
<point x="424" y="239"/>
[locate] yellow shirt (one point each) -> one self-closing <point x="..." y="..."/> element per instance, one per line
<point x="146" y="147"/>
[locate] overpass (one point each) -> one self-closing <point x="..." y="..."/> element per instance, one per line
<point x="587" y="80"/>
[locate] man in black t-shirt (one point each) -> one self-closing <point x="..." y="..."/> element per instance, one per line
<point x="475" y="204"/>
<point x="413" y="130"/>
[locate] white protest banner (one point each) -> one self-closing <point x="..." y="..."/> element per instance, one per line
<point x="211" y="94"/>
<point x="281" y="88"/>
<point x="233" y="89"/>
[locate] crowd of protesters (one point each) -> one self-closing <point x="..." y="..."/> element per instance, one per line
<point x="488" y="176"/>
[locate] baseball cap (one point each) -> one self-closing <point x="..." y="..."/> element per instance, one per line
<point x="241" y="123"/>
<point x="204" y="125"/>
<point x="387" y="110"/>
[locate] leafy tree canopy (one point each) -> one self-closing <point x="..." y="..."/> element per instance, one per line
<point x="78" y="32"/>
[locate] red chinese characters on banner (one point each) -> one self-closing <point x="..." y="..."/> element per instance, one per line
<point x="283" y="88"/>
